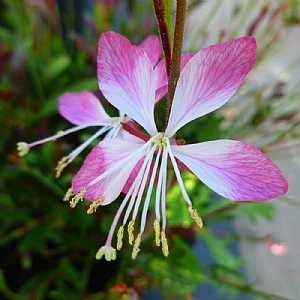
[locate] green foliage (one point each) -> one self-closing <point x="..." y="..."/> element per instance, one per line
<point x="255" y="210"/>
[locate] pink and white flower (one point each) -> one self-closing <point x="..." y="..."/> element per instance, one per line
<point x="233" y="169"/>
<point x="85" y="110"/>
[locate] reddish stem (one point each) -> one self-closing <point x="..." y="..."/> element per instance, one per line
<point x="176" y="52"/>
<point x="163" y="31"/>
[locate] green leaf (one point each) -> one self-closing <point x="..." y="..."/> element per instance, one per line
<point x="218" y="248"/>
<point x="180" y="273"/>
<point x="253" y="210"/>
<point x="4" y="289"/>
<point x="56" y="66"/>
<point x="37" y="285"/>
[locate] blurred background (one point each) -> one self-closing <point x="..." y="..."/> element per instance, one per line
<point x="47" y="250"/>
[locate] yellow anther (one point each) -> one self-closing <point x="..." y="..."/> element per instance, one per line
<point x="164" y="141"/>
<point x="164" y="242"/>
<point x="195" y="216"/>
<point x="157" y="232"/>
<point x="61" y="165"/>
<point x="136" y="247"/>
<point x="68" y="195"/>
<point x="93" y="207"/>
<point x="22" y="148"/>
<point x="108" y="252"/>
<point x="120" y="237"/>
<point x="130" y="229"/>
<point x="77" y="197"/>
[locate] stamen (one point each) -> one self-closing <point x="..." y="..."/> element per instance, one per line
<point x="161" y="189"/>
<point x="130" y="229"/>
<point x="108" y="251"/>
<point x="114" y="131"/>
<point x="23" y="148"/>
<point x="135" y="187"/>
<point x="79" y="149"/>
<point x="59" y="133"/>
<point x="164" y="242"/>
<point x="149" y="192"/>
<point x="77" y="197"/>
<point x="121" y="163"/>
<point x="178" y="176"/>
<point x="136" y="247"/>
<point x="194" y="214"/>
<point x="143" y="185"/>
<point x="164" y="189"/>
<point x="120" y="237"/>
<point x="93" y="207"/>
<point x="157" y="232"/>
<point x="61" y="165"/>
<point x="69" y="194"/>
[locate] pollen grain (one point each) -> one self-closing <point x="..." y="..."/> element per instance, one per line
<point x="130" y="229"/>
<point x="93" y="207"/>
<point x="157" y="232"/>
<point x="77" y="197"/>
<point x="164" y="242"/>
<point x="120" y="237"/>
<point x="68" y="195"/>
<point x="61" y="165"/>
<point x="136" y="247"/>
<point x="194" y="214"/>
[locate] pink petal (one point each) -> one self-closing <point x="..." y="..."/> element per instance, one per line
<point x="81" y="108"/>
<point x="162" y="80"/>
<point x="162" y="77"/>
<point x="210" y="79"/>
<point x="233" y="169"/>
<point x="185" y="58"/>
<point x="104" y="156"/>
<point x="151" y="45"/>
<point x="126" y="78"/>
<point x="126" y="136"/>
<point x="132" y="176"/>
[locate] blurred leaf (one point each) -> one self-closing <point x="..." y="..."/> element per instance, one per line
<point x="38" y="286"/>
<point x="4" y="289"/>
<point x="254" y="210"/>
<point x="56" y="66"/>
<point x="218" y="249"/>
<point x="180" y="273"/>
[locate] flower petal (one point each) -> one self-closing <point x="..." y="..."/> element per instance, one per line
<point x="162" y="80"/>
<point x="151" y="45"/>
<point x="162" y="77"/>
<point x="104" y="156"/>
<point x="126" y="136"/>
<point x="233" y="169"/>
<point x="209" y="80"/>
<point x="185" y="58"/>
<point x="126" y="78"/>
<point x="81" y="108"/>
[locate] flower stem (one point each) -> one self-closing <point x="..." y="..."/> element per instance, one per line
<point x="176" y="52"/>
<point x="163" y="30"/>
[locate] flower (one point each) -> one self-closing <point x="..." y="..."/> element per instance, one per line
<point x="233" y="169"/>
<point x="84" y="110"/>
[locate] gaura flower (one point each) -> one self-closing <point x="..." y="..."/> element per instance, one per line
<point x="233" y="169"/>
<point x="84" y="109"/>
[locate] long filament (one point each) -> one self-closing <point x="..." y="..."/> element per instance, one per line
<point x="149" y="192"/>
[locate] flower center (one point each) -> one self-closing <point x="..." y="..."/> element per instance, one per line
<point x="156" y="151"/>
